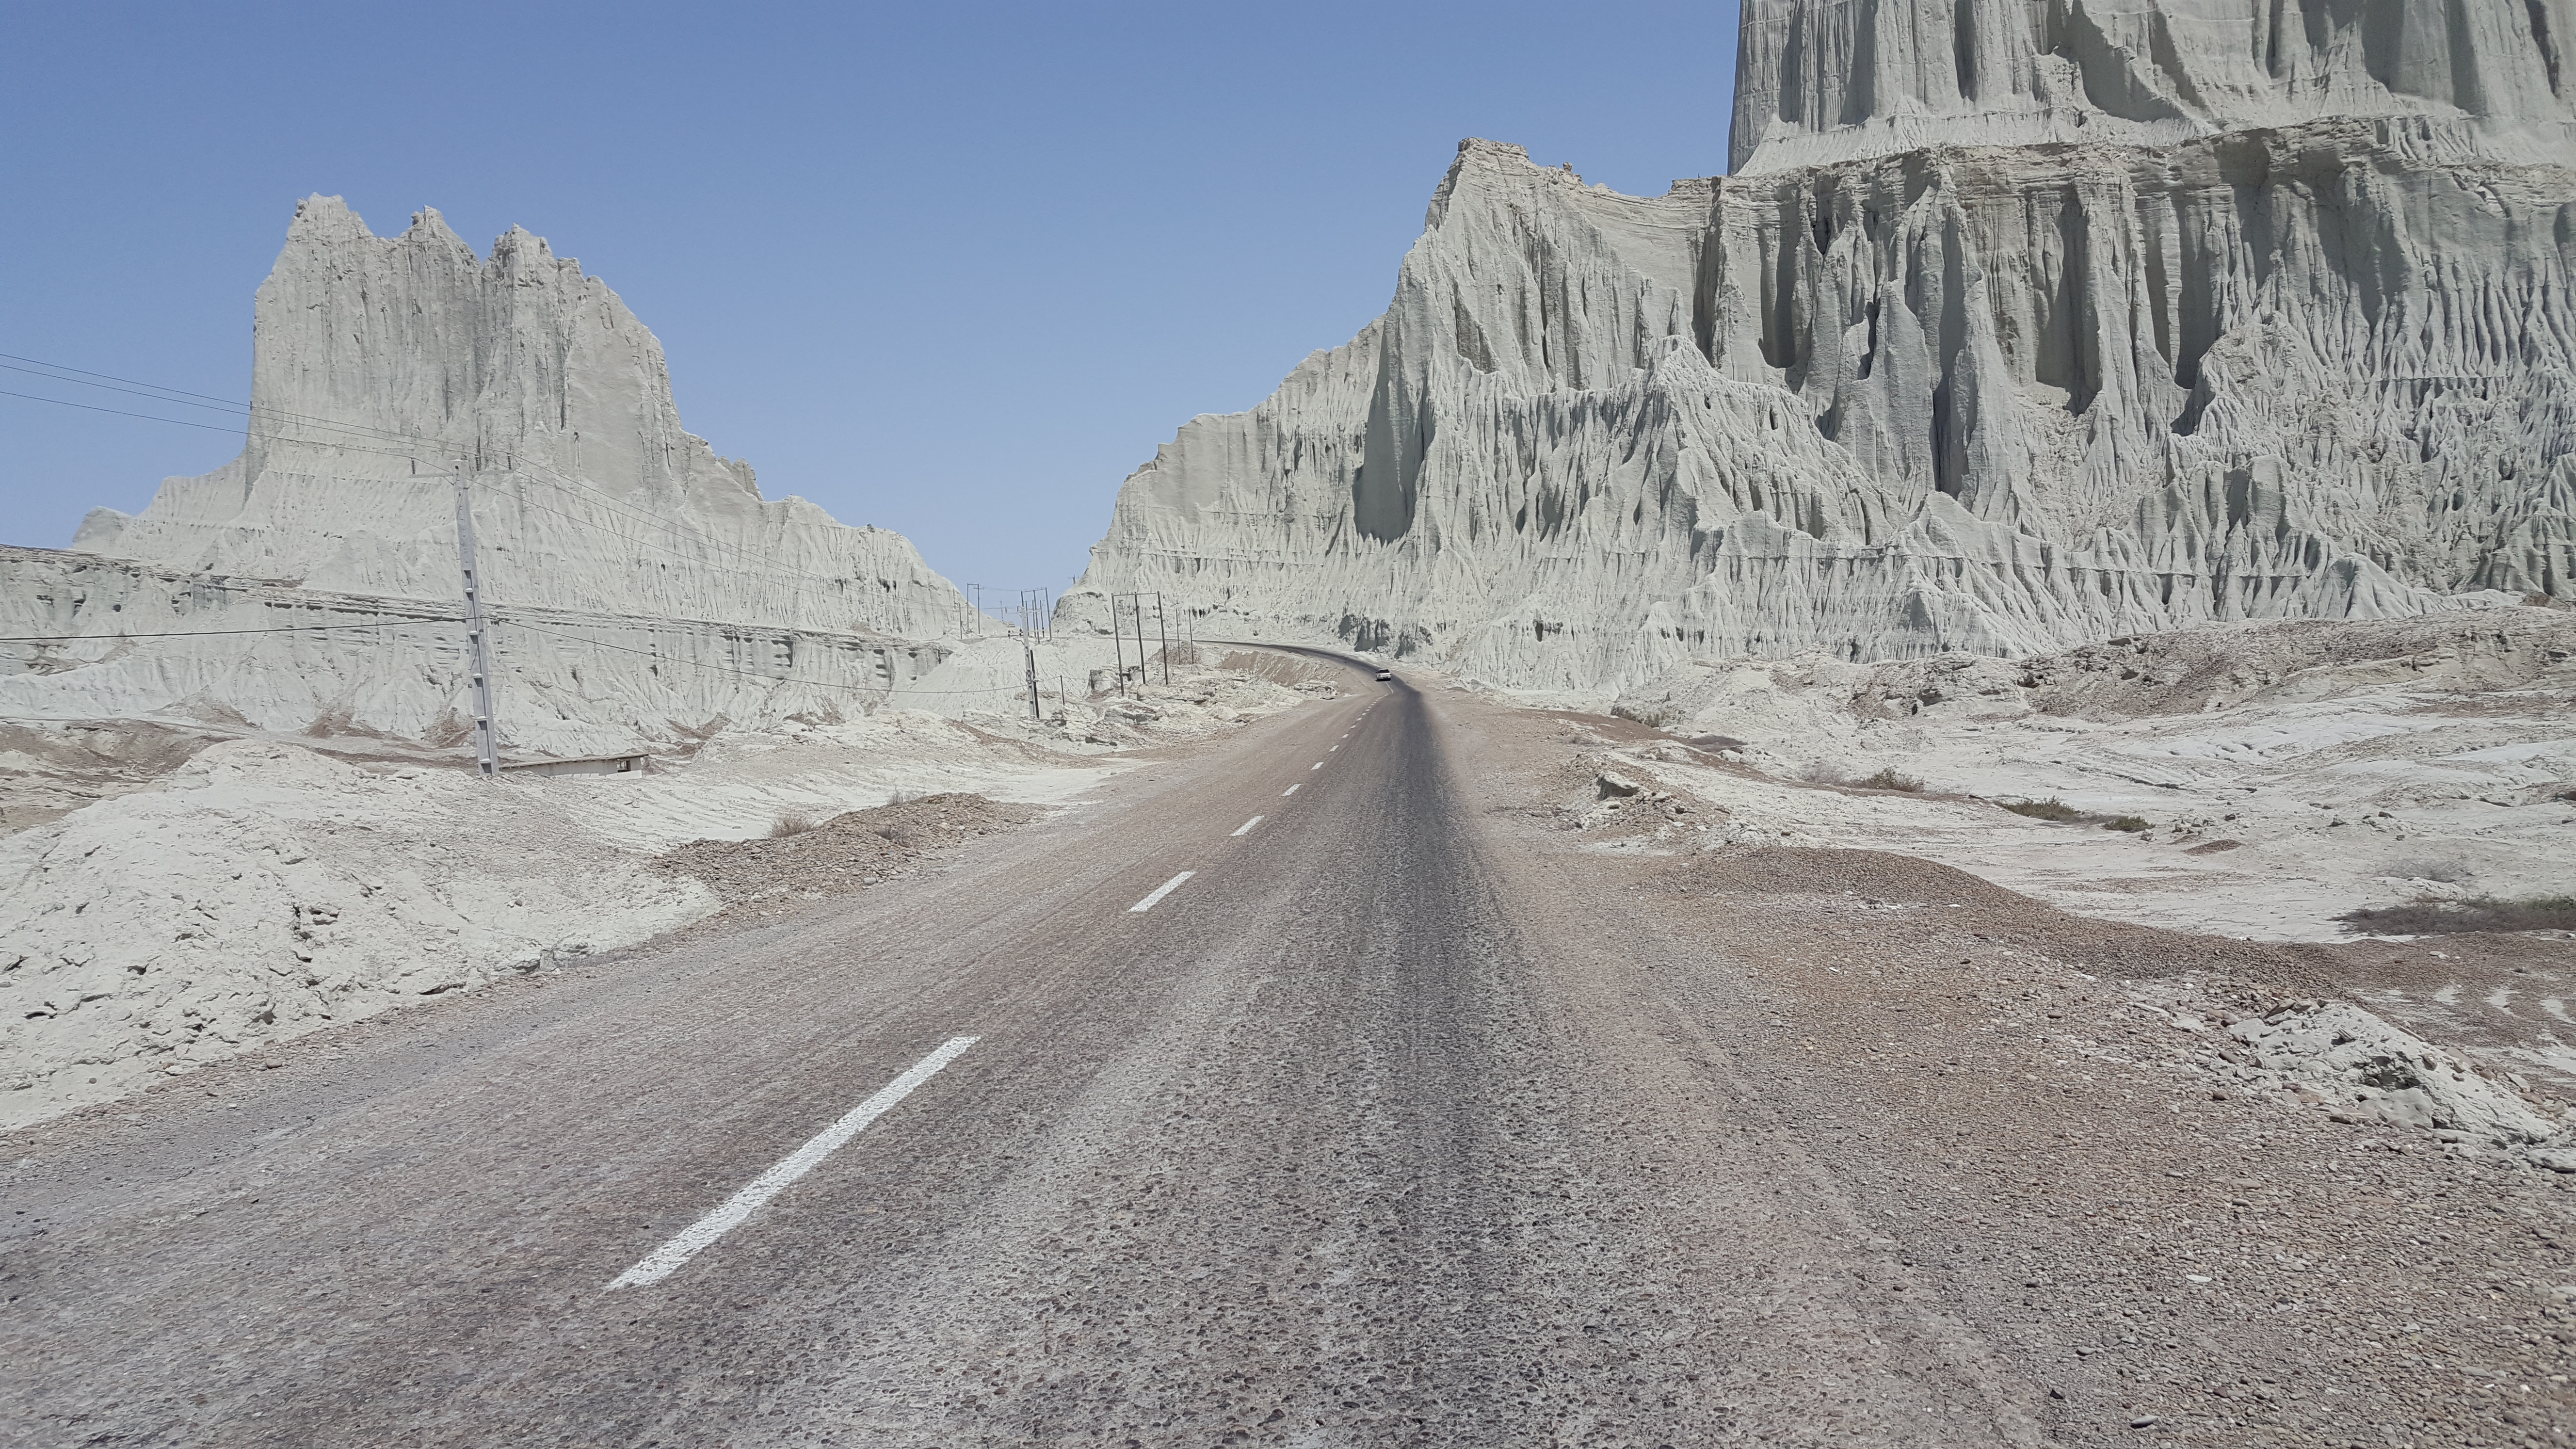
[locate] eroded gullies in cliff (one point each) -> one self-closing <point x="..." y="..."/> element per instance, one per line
<point x="2021" y="325"/>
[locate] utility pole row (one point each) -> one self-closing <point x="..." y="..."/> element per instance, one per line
<point x="487" y="748"/>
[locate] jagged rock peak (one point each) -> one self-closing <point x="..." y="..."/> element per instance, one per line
<point x="428" y="228"/>
<point x="379" y="364"/>
<point x="2000" y="400"/>
<point x="1819" y="81"/>
<point x="321" y="218"/>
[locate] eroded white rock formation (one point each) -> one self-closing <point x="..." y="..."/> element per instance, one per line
<point x="645" y="589"/>
<point x="380" y="362"/>
<point x="2301" y="348"/>
<point x="1823" y="82"/>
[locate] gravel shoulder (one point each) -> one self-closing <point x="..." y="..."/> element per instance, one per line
<point x="2032" y="1119"/>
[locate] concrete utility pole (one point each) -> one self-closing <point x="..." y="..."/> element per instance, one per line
<point x="1029" y="654"/>
<point x="1163" y="627"/>
<point x="487" y="750"/>
<point x="1118" y="645"/>
<point x="1136" y="606"/>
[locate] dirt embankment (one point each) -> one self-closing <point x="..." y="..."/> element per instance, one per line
<point x="847" y="853"/>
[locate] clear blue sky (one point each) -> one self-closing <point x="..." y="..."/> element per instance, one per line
<point x="949" y="269"/>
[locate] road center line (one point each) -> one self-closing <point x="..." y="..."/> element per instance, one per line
<point x="1316" y="766"/>
<point x="698" y="1235"/>
<point x="1291" y="790"/>
<point x="1166" y="888"/>
<point x="1246" y="827"/>
<point x="1333" y="750"/>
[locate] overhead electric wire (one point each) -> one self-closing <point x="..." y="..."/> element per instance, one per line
<point x="112" y="377"/>
<point x="211" y="633"/>
<point x="513" y="461"/>
<point x="184" y="398"/>
<point x="188" y="400"/>
<point x="505" y="617"/>
<point x="120" y="412"/>
<point x="209" y="427"/>
<point x="1013" y="689"/>
<point x="502" y="617"/>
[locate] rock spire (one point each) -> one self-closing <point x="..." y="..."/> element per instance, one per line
<point x="380" y="361"/>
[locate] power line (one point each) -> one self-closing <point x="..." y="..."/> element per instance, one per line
<point x="111" y="377"/>
<point x="211" y="633"/>
<point x="513" y="462"/>
<point x="181" y="396"/>
<point x="143" y="390"/>
<point x="515" y="623"/>
<point x="770" y="679"/>
<point x="209" y="427"/>
<point x="120" y="412"/>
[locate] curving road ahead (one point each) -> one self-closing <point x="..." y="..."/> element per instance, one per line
<point x="1337" y="1140"/>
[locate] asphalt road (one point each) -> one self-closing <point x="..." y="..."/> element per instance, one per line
<point x="1345" y="1141"/>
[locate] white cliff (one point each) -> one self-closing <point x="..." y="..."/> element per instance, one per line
<point x="1906" y="401"/>
<point x="645" y="591"/>
<point x="380" y="363"/>
<point x="1843" y="79"/>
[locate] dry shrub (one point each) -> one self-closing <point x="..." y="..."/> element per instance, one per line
<point x="2051" y="808"/>
<point x="790" y="822"/>
<point x="2131" y="824"/>
<point x="2486" y="913"/>
<point x="1887" y="778"/>
<point x="2448" y="872"/>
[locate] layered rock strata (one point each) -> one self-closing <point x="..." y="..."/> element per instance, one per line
<point x="1819" y="81"/>
<point x="1896" y="391"/>
<point x="262" y="656"/>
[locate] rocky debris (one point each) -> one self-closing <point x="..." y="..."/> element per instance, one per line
<point x="1613" y="783"/>
<point x="1841" y="401"/>
<point x="2377" y="1071"/>
<point x="2295" y="778"/>
<point x="2039" y="1118"/>
<point x="850" y="852"/>
<point x="47" y="773"/>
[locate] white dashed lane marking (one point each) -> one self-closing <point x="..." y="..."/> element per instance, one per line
<point x="698" y="1235"/>
<point x="1291" y="790"/>
<point x="1160" y="891"/>
<point x="1246" y="827"/>
<point x="1316" y="766"/>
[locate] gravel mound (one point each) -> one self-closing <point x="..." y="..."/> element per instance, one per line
<point x="845" y="854"/>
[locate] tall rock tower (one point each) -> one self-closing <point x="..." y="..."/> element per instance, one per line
<point x="2019" y="323"/>
<point x="380" y="362"/>
<point x="646" y="593"/>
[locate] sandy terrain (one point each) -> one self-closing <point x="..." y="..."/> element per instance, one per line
<point x="176" y="897"/>
<point x="1419" y="1114"/>
<point x="2285" y="773"/>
